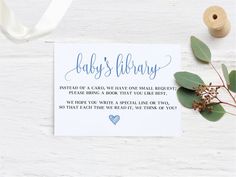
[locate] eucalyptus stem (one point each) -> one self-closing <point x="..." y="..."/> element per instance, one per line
<point x="230" y="94"/>
<point x="223" y="102"/>
<point x="218" y="74"/>
<point x="223" y="83"/>
<point x="216" y="86"/>
<point x="230" y="113"/>
<point x="227" y="103"/>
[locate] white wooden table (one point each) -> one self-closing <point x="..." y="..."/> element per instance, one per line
<point x="27" y="145"/>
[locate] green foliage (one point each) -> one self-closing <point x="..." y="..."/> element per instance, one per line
<point x="200" y="50"/>
<point x="226" y="74"/>
<point x="186" y="97"/>
<point x="232" y="81"/>
<point x="188" y="80"/>
<point x="193" y="93"/>
<point x="216" y="113"/>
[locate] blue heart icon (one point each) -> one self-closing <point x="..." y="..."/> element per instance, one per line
<point x="114" y="119"/>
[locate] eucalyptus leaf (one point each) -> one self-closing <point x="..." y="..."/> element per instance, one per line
<point x="188" y="80"/>
<point x="232" y="81"/>
<point x="186" y="97"/>
<point x="225" y="73"/>
<point x="200" y="50"/>
<point x="215" y="114"/>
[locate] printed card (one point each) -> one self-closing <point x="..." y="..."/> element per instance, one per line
<point x="116" y="90"/>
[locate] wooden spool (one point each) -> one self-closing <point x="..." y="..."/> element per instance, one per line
<point x="217" y="22"/>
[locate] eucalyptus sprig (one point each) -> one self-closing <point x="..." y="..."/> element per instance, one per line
<point x="202" y="97"/>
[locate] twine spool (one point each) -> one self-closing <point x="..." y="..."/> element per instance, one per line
<point x="217" y="22"/>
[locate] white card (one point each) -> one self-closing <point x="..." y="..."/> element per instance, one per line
<point x="116" y="90"/>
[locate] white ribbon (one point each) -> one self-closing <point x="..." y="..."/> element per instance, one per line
<point x="17" y="32"/>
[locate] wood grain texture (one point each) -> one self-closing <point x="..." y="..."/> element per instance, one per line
<point x="27" y="145"/>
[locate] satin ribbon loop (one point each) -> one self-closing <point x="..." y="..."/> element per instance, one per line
<point x="17" y="32"/>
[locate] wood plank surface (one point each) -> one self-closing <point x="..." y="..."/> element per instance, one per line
<point x="27" y="145"/>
